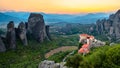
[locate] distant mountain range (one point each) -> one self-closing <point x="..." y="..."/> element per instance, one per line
<point x="5" y="17"/>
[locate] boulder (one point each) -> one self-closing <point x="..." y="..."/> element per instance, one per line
<point x="11" y="36"/>
<point x="2" y="46"/>
<point x="22" y="33"/>
<point x="51" y="64"/>
<point x="36" y="27"/>
<point x="46" y="64"/>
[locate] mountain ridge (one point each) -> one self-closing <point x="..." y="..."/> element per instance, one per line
<point x="55" y="18"/>
<point x="6" y="18"/>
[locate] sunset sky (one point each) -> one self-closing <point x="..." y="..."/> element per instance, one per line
<point x="60" y="6"/>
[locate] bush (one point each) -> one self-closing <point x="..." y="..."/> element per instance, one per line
<point x="74" y="61"/>
<point x="94" y="60"/>
<point x="112" y="59"/>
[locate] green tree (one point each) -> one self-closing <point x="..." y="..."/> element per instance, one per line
<point x="112" y="59"/>
<point x="74" y="61"/>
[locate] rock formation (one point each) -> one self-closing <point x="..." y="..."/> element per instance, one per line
<point x="97" y="43"/>
<point x="22" y="33"/>
<point x="51" y="64"/>
<point x="11" y="36"/>
<point x="36" y="27"/>
<point x="109" y="27"/>
<point x="2" y="46"/>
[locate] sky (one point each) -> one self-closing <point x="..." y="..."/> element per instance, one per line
<point x="60" y="6"/>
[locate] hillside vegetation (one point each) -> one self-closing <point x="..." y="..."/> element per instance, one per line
<point x="101" y="57"/>
<point x="30" y="56"/>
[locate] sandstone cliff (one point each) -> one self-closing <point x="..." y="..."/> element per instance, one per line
<point x="109" y="27"/>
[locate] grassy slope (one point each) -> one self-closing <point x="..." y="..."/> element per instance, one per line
<point x="25" y="57"/>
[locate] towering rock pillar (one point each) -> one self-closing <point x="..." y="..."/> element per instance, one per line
<point x="36" y="27"/>
<point x="11" y="36"/>
<point x="22" y="33"/>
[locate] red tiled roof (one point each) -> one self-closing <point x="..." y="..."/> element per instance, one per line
<point x="87" y="35"/>
<point x="83" y="34"/>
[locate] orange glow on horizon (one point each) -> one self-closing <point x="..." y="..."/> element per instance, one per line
<point x="61" y="6"/>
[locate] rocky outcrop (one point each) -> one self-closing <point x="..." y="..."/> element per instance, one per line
<point x="22" y="33"/>
<point x="109" y="27"/>
<point x="11" y="36"/>
<point x="97" y="43"/>
<point x="2" y="46"/>
<point x="51" y="64"/>
<point x="36" y="27"/>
